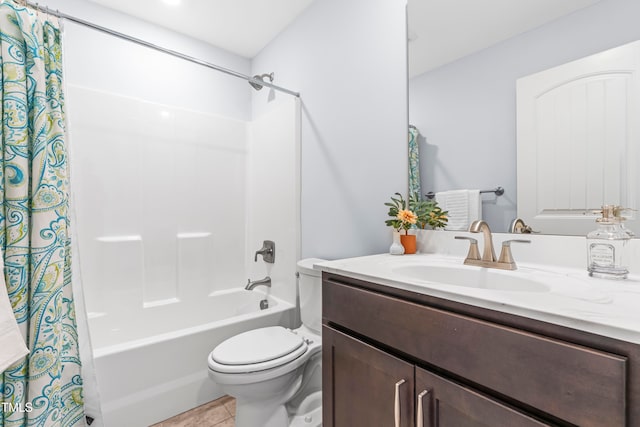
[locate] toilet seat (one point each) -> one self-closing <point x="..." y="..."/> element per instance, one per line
<point x="257" y="350"/>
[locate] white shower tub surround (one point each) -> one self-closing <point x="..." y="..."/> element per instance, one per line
<point x="146" y="374"/>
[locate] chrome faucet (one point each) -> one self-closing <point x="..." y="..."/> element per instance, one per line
<point x="266" y="282"/>
<point x="488" y="259"/>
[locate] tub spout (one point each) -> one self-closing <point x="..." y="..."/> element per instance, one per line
<point x="266" y="282"/>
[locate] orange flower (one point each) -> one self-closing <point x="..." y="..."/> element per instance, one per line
<point x="407" y="216"/>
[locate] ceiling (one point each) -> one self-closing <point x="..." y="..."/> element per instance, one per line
<point x="440" y="31"/>
<point x="243" y="27"/>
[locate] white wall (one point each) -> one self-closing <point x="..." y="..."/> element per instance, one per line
<point x="100" y="61"/>
<point x="348" y="60"/>
<point x="161" y="145"/>
<point x="467" y="109"/>
<point x="139" y="106"/>
<point x="273" y="195"/>
<point x="150" y="184"/>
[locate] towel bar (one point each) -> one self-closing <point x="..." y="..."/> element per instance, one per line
<point x="498" y="191"/>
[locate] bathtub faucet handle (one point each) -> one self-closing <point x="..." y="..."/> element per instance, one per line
<point x="268" y="252"/>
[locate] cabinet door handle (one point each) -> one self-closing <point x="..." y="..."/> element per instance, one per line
<point x="419" y="414"/>
<point x="396" y="410"/>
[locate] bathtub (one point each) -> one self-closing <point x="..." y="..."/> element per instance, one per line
<point x="153" y="367"/>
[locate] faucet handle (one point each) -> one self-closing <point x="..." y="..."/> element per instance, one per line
<point x="518" y="226"/>
<point x="505" y="253"/>
<point x="474" y="252"/>
<point x="508" y="242"/>
<point x="268" y="252"/>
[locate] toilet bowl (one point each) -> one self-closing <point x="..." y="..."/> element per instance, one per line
<point x="274" y="373"/>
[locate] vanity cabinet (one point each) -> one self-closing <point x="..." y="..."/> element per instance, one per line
<point x="364" y="382"/>
<point x="396" y="358"/>
<point x="448" y="404"/>
<point x="371" y="387"/>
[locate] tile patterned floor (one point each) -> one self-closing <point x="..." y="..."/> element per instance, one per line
<point x="219" y="413"/>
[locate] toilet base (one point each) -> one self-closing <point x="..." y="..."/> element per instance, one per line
<point x="309" y="413"/>
<point x="253" y="409"/>
<point x="284" y="410"/>
<point x="249" y="414"/>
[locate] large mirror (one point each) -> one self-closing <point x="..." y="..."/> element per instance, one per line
<point x="465" y="58"/>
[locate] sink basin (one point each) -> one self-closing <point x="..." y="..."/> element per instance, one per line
<point x="471" y="277"/>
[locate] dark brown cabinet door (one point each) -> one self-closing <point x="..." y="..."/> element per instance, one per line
<point x="447" y="404"/>
<point x="364" y="386"/>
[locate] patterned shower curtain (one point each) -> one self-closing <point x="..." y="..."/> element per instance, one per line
<point x="44" y="389"/>
<point x="414" y="163"/>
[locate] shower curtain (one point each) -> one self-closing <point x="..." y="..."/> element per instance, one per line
<point x="414" y="163"/>
<point x="44" y="389"/>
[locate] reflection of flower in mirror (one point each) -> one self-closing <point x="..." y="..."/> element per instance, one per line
<point x="428" y="212"/>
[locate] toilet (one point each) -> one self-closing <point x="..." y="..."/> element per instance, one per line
<point x="275" y="373"/>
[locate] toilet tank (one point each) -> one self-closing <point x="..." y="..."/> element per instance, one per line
<point x="310" y="288"/>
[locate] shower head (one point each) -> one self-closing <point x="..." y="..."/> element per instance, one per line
<point x="258" y="86"/>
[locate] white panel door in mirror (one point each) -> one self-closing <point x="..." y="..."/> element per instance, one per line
<point x="578" y="133"/>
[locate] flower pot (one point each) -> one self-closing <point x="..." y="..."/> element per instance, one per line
<point x="409" y="243"/>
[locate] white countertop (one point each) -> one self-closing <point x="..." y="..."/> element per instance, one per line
<point x="566" y="296"/>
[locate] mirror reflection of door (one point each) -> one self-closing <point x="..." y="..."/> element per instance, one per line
<point x="578" y="137"/>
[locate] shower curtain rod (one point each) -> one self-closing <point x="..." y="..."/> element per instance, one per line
<point x="141" y="42"/>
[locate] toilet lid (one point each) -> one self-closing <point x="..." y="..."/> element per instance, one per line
<point x="258" y="346"/>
